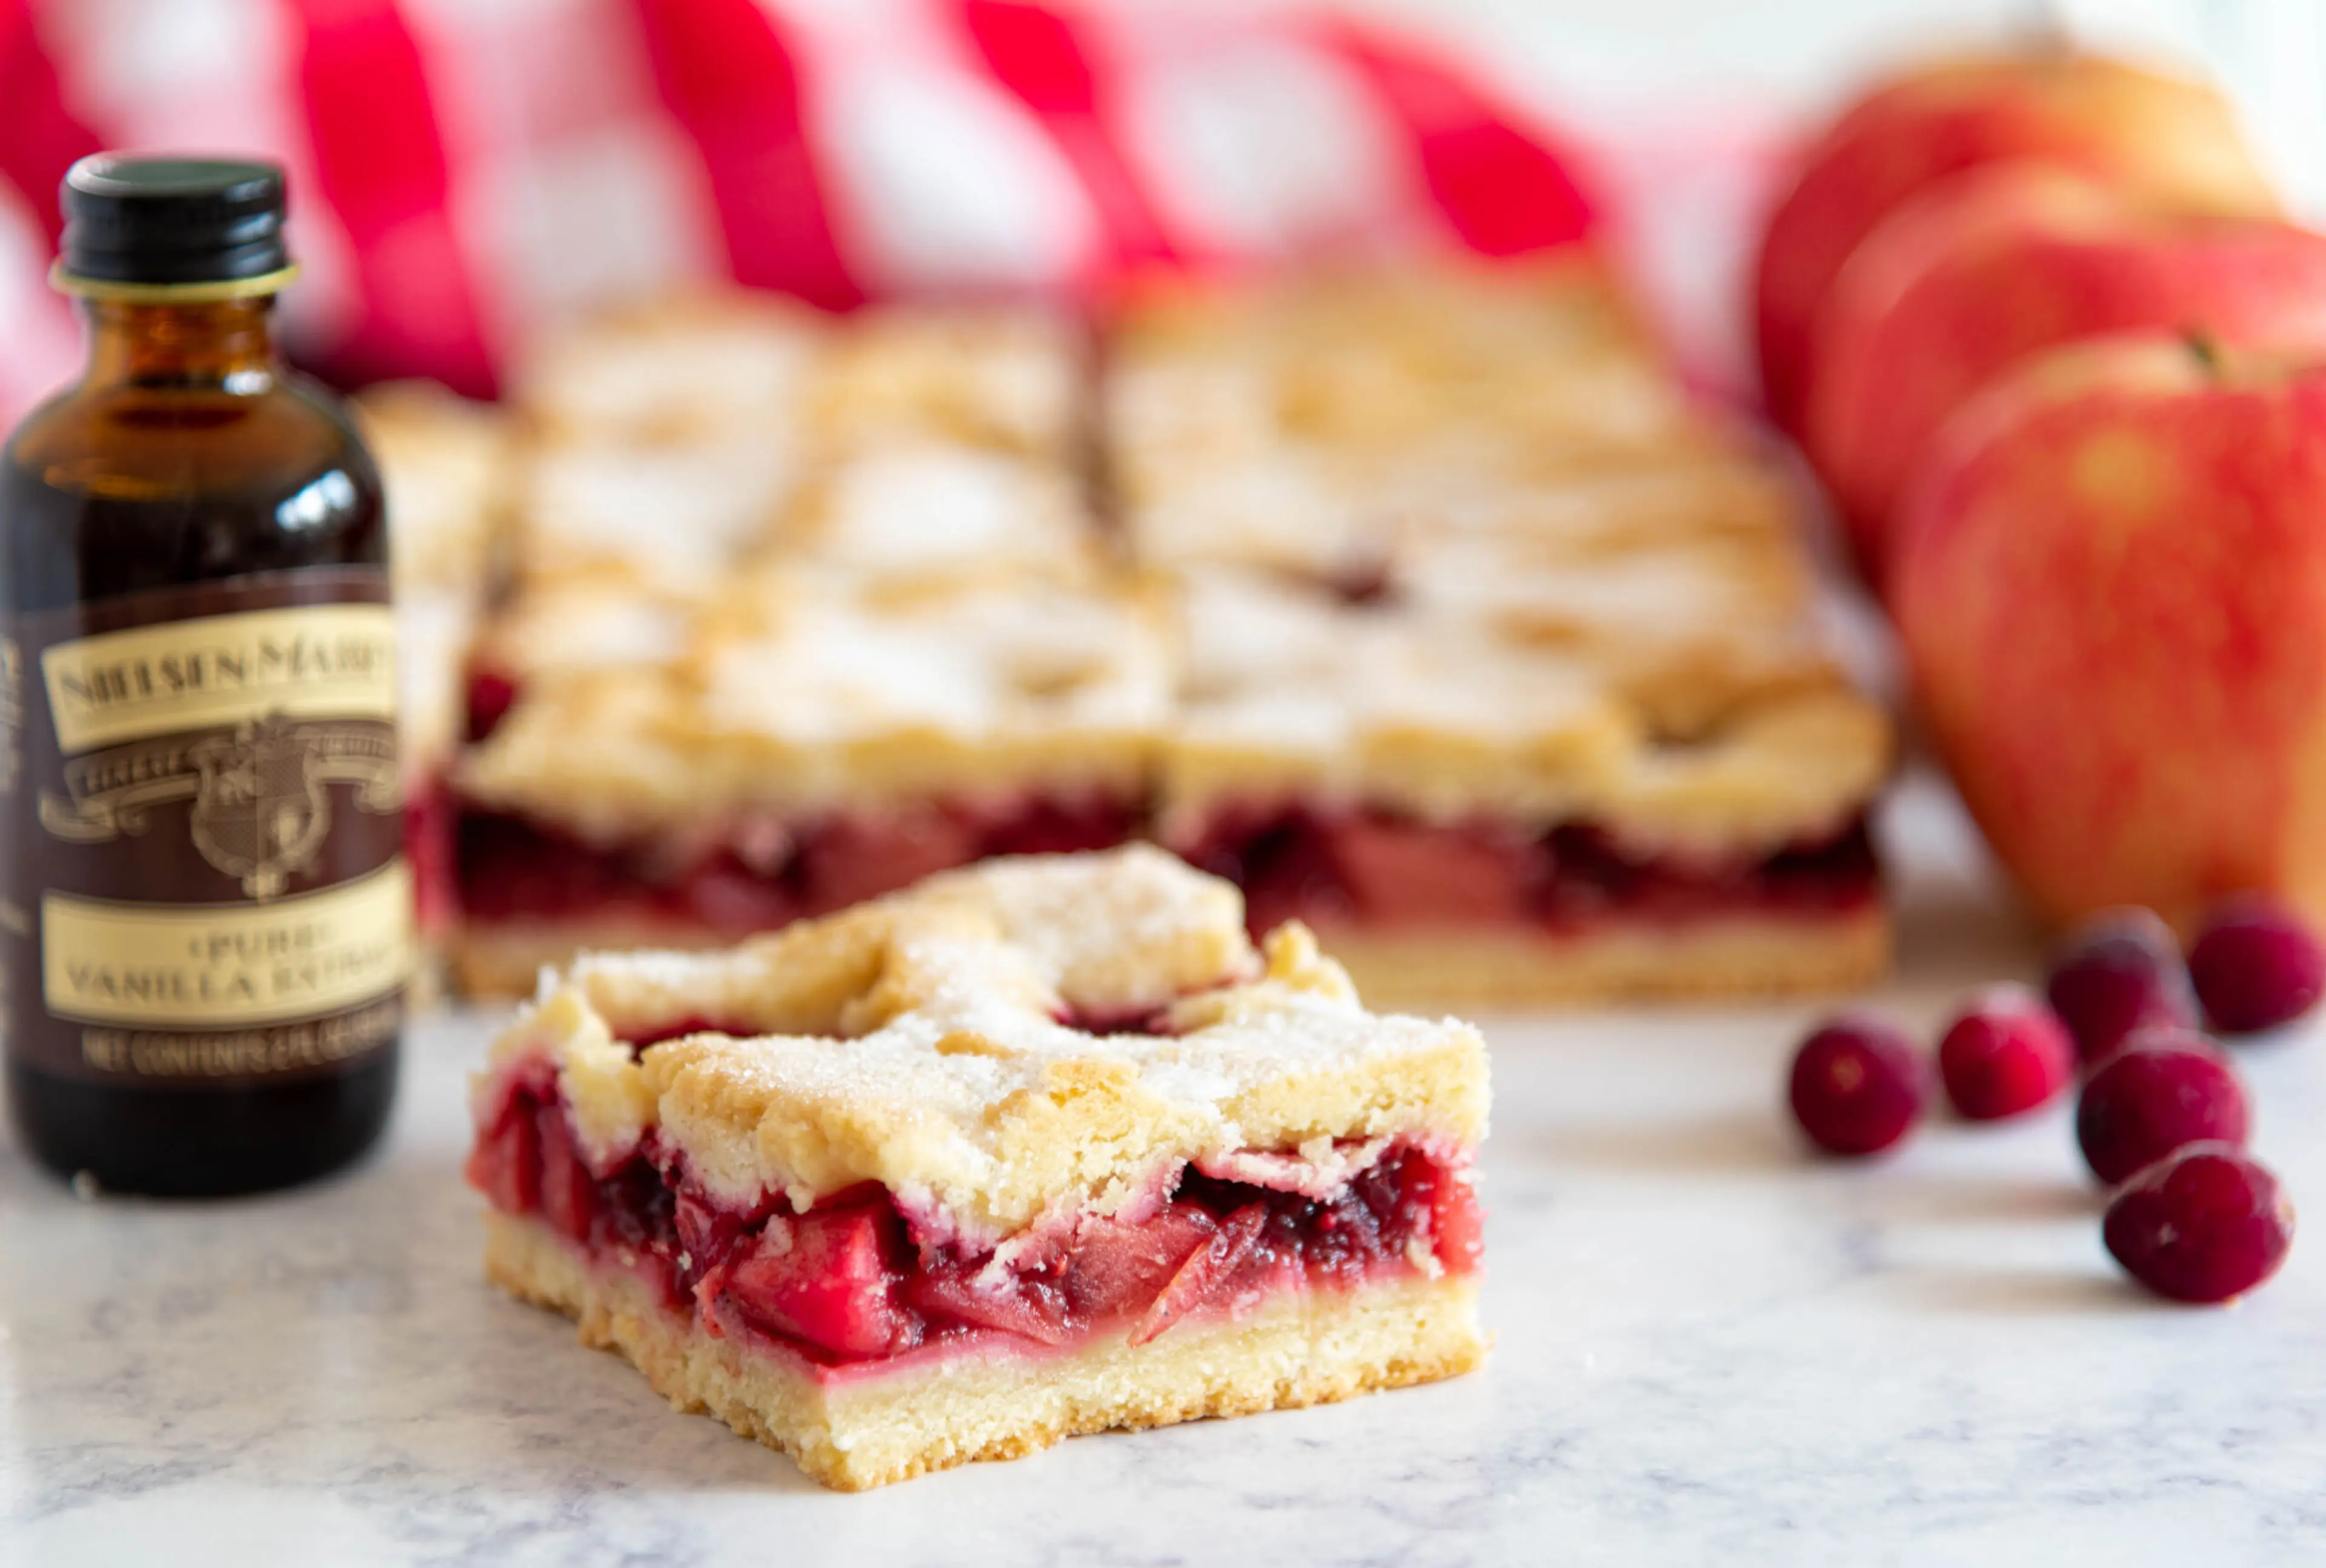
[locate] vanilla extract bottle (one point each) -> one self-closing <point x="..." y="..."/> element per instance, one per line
<point x="205" y="909"/>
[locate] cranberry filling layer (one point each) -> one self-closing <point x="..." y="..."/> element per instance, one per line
<point x="509" y="868"/>
<point x="846" y="1283"/>
<point x="1373" y="868"/>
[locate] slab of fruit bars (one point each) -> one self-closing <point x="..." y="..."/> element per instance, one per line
<point x="1422" y="604"/>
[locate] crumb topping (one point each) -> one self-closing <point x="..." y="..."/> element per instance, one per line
<point x="916" y="1041"/>
<point x="1449" y="542"/>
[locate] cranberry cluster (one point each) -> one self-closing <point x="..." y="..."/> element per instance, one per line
<point x="2162" y="1119"/>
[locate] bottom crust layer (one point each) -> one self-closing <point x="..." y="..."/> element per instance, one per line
<point x="1745" y="956"/>
<point x="1305" y="1349"/>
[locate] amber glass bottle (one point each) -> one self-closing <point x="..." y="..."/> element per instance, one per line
<point x="205" y="915"/>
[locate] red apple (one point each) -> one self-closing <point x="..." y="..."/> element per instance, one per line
<point x="1987" y="268"/>
<point x="2110" y="581"/>
<point x="2174" y="140"/>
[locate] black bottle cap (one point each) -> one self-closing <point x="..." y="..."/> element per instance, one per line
<point x="135" y="221"/>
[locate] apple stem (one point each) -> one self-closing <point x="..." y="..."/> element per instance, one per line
<point x="2048" y="33"/>
<point x="2205" y="348"/>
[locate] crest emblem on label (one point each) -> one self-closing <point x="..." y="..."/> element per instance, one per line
<point x="260" y="812"/>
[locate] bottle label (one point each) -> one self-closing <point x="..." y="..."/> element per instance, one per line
<point x="205" y="879"/>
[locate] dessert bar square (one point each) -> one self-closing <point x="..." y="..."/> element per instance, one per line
<point x="1502" y="662"/>
<point x="1424" y="603"/>
<point x="687" y="773"/>
<point x="769" y="654"/>
<point x="674" y="441"/>
<point x="1317" y="424"/>
<point x="664" y="439"/>
<point x="1037" y="1148"/>
<point x="1465" y="814"/>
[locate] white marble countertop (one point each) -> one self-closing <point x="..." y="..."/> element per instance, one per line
<point x="1711" y="1349"/>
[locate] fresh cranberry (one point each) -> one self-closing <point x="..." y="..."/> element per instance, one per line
<point x="2166" y="1087"/>
<point x="1858" y="1085"/>
<point x="2257" y="964"/>
<point x="2207" y="1223"/>
<point x="2118" y="972"/>
<point x="2008" y="1053"/>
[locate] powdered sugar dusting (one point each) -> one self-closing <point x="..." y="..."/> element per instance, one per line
<point x="1453" y="543"/>
<point x="967" y="1096"/>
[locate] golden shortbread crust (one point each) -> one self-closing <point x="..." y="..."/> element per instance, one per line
<point x="1307" y="1347"/>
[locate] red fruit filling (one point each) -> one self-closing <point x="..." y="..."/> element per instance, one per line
<point x="2121" y="972"/>
<point x="2164" y="1090"/>
<point x="1128" y="1021"/>
<point x="2207" y="1224"/>
<point x="833" y="1278"/>
<point x="511" y="868"/>
<point x="1375" y="868"/>
<point x="2256" y="965"/>
<point x="848" y="1282"/>
<point x="1858" y="1085"/>
<point x="639" y="1036"/>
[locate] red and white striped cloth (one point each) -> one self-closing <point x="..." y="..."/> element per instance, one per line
<point x="465" y="170"/>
